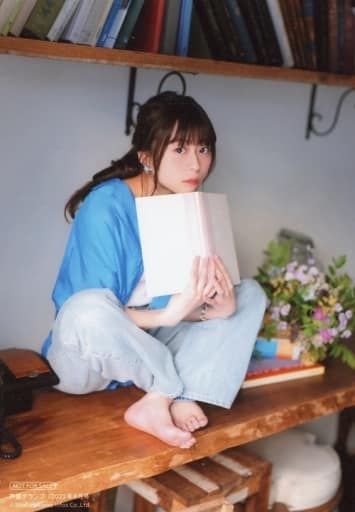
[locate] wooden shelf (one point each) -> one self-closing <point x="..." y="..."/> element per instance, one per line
<point x="80" y="53"/>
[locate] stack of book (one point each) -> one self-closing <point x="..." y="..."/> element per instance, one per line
<point x="307" y="34"/>
<point x="278" y="360"/>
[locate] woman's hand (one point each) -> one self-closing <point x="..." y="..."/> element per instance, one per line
<point x="201" y="283"/>
<point x="221" y="297"/>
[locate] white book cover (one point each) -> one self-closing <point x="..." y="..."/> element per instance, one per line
<point x="280" y="29"/>
<point x="94" y="22"/>
<point x="174" y="229"/>
<point x="73" y="29"/>
<point x="22" y="17"/>
<point x="62" y="19"/>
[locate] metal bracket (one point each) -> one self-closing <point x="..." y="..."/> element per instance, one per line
<point x="312" y="114"/>
<point x="132" y="104"/>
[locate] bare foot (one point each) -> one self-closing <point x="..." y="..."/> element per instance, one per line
<point x="187" y="415"/>
<point x="152" y="415"/>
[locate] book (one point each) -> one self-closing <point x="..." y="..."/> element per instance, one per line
<point x="349" y="42"/>
<point x="227" y="29"/>
<point x="333" y="36"/>
<point x="22" y="17"/>
<point x="170" y="27"/>
<point x="241" y="29"/>
<point x="6" y="25"/>
<point x="66" y="12"/>
<point x="41" y="18"/>
<point x="94" y="22"/>
<point x="274" y="370"/>
<point x="276" y="347"/>
<point x="211" y="29"/>
<point x="113" y="23"/>
<point x="308" y="13"/>
<point x="281" y="33"/>
<point x="252" y="22"/>
<point x="149" y="26"/>
<point x="175" y="228"/>
<point x="321" y="33"/>
<point x="198" y="46"/>
<point x="128" y="25"/>
<point x="73" y="29"/>
<point x="183" y="30"/>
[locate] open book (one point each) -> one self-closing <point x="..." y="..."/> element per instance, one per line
<point x="175" y="228"/>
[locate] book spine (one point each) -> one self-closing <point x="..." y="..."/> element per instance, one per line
<point x="299" y="30"/>
<point x="110" y="19"/>
<point x="183" y="32"/>
<point x="290" y="29"/>
<point x="62" y="20"/>
<point x="226" y="28"/>
<point x="94" y="22"/>
<point x="281" y="33"/>
<point x="249" y="15"/>
<point x="341" y="36"/>
<point x="170" y="27"/>
<point x="129" y="24"/>
<point x="353" y="31"/>
<point x="210" y="28"/>
<point x="241" y="29"/>
<point x="268" y="32"/>
<point x="117" y="25"/>
<point x="42" y="18"/>
<point x="16" y="7"/>
<point x="73" y="29"/>
<point x="333" y="36"/>
<point x="321" y="33"/>
<point x="22" y="17"/>
<point x="308" y="13"/>
<point x="349" y="43"/>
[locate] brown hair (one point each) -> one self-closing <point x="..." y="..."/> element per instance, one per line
<point x="161" y="116"/>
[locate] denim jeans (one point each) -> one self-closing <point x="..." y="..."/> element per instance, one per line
<point x="95" y="342"/>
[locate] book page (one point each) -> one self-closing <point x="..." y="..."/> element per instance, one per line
<point x="177" y="227"/>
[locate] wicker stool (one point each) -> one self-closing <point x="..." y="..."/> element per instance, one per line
<point x="234" y="476"/>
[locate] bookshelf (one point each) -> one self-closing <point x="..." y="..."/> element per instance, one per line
<point x="80" y="53"/>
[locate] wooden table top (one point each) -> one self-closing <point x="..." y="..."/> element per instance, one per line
<point x="75" y="445"/>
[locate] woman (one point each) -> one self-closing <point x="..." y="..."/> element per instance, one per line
<point x="107" y="332"/>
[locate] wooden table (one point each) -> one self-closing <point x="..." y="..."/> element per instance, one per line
<point x="78" y="445"/>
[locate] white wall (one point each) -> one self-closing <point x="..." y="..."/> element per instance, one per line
<point x="61" y="121"/>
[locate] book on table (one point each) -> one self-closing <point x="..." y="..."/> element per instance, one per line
<point x="272" y="370"/>
<point x="174" y="229"/>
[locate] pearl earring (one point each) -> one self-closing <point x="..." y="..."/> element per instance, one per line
<point x="147" y="169"/>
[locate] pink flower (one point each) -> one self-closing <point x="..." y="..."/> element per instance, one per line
<point x="326" y="335"/>
<point x="319" y="315"/>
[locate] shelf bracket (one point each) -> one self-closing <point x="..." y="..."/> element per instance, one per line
<point x="313" y="115"/>
<point x="133" y="105"/>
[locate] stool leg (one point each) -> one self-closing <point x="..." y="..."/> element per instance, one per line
<point x="103" y="501"/>
<point x="142" y="505"/>
<point x="262" y="497"/>
<point x="227" y="507"/>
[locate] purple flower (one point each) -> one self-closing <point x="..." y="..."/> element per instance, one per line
<point x="343" y="321"/>
<point x="285" y="309"/>
<point x="346" y="334"/>
<point x="348" y="314"/>
<point x="275" y="313"/>
<point x="282" y="326"/>
<point x="338" y="307"/>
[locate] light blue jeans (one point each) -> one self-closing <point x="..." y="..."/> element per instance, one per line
<point x="94" y="342"/>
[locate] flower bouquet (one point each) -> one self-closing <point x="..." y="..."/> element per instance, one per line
<point x="314" y="308"/>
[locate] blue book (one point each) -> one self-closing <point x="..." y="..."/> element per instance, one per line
<point x="183" y="33"/>
<point x="113" y="12"/>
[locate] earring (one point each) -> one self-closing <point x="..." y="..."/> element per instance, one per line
<point x="147" y="169"/>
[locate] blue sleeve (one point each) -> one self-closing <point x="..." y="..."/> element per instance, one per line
<point x="96" y="254"/>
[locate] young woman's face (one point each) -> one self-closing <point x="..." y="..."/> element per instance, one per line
<point x="183" y="168"/>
